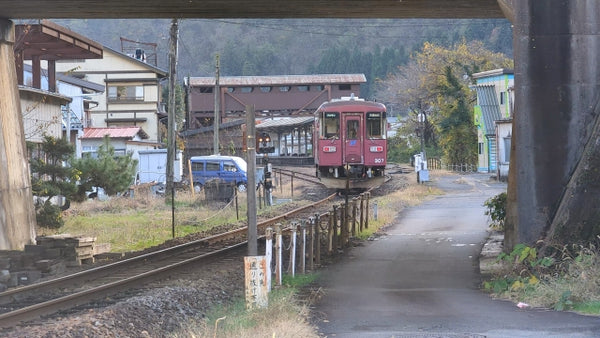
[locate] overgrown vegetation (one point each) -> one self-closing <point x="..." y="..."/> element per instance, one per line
<point x="561" y="278"/>
<point x="567" y="280"/>
<point x="286" y="315"/>
<point x="496" y="209"/>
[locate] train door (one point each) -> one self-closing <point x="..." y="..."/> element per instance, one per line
<point x="353" y="150"/>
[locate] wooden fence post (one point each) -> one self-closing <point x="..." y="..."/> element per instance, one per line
<point x="318" y="236"/>
<point x="367" y="211"/>
<point x="330" y="229"/>
<point x="354" y="206"/>
<point x="362" y="202"/>
<point x="335" y="234"/>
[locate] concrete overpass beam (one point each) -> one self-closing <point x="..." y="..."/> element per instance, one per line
<point x="556" y="158"/>
<point x="17" y="217"/>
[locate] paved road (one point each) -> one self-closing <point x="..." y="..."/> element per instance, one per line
<point x="421" y="279"/>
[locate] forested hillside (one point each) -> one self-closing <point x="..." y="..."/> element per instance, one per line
<point x="285" y="46"/>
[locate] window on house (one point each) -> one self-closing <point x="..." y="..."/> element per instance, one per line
<point x="480" y="148"/>
<point x="246" y="89"/>
<point x="303" y="88"/>
<point x="502" y="99"/>
<point x="206" y="90"/>
<point x="320" y="87"/>
<point x="265" y="89"/>
<point x="507" y="149"/>
<point x="230" y="89"/>
<point x="284" y="88"/>
<point x="125" y="93"/>
<point x="344" y="87"/>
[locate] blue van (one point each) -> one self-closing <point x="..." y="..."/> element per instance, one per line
<point x="224" y="168"/>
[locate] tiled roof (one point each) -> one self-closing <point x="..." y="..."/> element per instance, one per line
<point x="121" y="132"/>
<point x="278" y="80"/>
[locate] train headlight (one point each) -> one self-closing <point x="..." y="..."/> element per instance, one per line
<point x="376" y="149"/>
<point x="329" y="149"/>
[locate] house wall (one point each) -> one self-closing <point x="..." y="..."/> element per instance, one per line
<point x="503" y="139"/>
<point x="501" y="83"/>
<point x="488" y="145"/>
<point x="41" y="114"/>
<point x="119" y="70"/>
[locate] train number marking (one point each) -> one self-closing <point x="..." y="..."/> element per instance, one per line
<point x="379" y="160"/>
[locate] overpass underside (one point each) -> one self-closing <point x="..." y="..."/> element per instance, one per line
<point x="555" y="160"/>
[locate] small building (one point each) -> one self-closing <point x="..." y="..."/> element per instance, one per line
<point x="271" y="96"/>
<point x="125" y="140"/>
<point x="495" y="97"/>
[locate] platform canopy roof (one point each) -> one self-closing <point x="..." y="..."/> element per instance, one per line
<point x="49" y="41"/>
<point x="85" y="9"/>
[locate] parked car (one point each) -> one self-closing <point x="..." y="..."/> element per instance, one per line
<point x="227" y="169"/>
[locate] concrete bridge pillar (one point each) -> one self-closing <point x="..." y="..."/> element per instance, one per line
<point x="554" y="183"/>
<point x="17" y="217"/>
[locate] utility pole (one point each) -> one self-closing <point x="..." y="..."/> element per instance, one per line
<point x="172" y="113"/>
<point x="251" y="191"/>
<point x="216" y="118"/>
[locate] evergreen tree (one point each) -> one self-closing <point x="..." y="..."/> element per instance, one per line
<point x="114" y="174"/>
<point x="51" y="177"/>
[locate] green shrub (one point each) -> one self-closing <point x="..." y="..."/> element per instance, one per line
<point x="496" y="209"/>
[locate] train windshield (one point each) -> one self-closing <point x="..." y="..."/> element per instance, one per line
<point x="331" y="125"/>
<point x="376" y="125"/>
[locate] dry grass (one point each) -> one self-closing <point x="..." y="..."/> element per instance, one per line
<point x="131" y="224"/>
<point x="285" y="317"/>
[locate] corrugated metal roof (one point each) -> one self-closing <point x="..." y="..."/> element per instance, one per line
<point x="285" y="123"/>
<point x="490" y="109"/>
<point x="278" y="80"/>
<point x="117" y="132"/>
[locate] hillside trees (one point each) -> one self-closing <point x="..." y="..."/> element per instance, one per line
<point x="435" y="82"/>
<point x="375" y="65"/>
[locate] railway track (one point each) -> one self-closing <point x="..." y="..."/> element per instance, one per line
<point x="45" y="298"/>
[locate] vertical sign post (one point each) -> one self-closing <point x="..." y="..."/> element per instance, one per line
<point x="257" y="294"/>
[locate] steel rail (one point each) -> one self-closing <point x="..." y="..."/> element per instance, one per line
<point x="37" y="310"/>
<point x="34" y="311"/>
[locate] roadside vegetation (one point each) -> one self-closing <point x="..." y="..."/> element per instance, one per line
<point x="563" y="278"/>
<point x="286" y="316"/>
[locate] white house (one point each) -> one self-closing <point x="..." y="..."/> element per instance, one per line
<point x="132" y="93"/>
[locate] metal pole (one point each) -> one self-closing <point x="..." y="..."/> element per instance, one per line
<point x="251" y="191"/>
<point x="216" y="119"/>
<point x="303" y="247"/>
<point x="278" y="258"/>
<point x="269" y="254"/>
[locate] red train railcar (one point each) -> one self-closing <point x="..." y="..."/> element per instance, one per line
<point x="350" y="143"/>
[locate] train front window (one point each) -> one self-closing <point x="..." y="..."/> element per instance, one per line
<point x="376" y="125"/>
<point x="352" y="129"/>
<point x="331" y="125"/>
